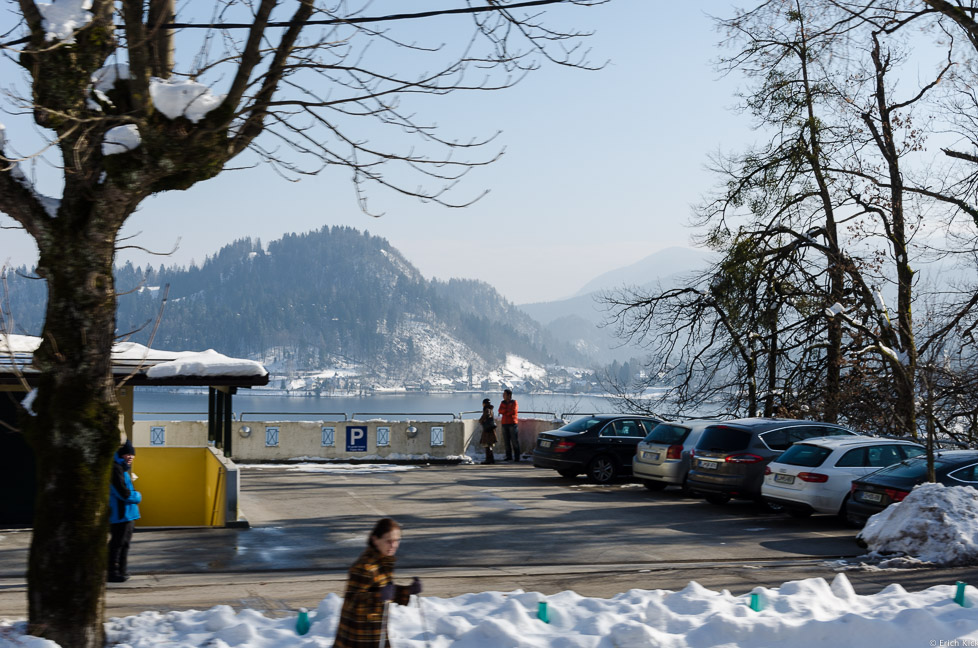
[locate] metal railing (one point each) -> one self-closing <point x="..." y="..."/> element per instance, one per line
<point x="319" y="416"/>
<point x="414" y="416"/>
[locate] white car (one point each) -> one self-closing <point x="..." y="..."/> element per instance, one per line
<point x="815" y="475"/>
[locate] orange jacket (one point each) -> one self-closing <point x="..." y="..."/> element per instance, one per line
<point x="507" y="411"/>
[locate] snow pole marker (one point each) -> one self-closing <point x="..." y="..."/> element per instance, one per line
<point x="959" y="596"/>
<point x="756" y="603"/>
<point x="302" y="622"/>
<point x="542" y="613"/>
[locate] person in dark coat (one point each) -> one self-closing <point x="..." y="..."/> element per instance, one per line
<point x="488" y="423"/>
<point x="123" y="512"/>
<point x="363" y="621"/>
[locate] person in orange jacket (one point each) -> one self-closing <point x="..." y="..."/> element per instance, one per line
<point x="509" y="419"/>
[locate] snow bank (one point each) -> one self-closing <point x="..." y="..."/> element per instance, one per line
<point x="337" y="468"/>
<point x="799" y="614"/>
<point x="934" y="524"/>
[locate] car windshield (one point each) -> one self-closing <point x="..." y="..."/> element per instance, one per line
<point x="915" y="468"/>
<point x="665" y="433"/>
<point x="804" y="454"/>
<point x="720" y="438"/>
<point x="581" y="424"/>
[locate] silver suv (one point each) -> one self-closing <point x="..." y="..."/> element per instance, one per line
<point x="730" y="457"/>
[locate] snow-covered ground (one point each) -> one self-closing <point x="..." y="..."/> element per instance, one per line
<point x="800" y="614"/>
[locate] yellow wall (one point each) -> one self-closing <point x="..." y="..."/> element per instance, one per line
<point x="180" y="487"/>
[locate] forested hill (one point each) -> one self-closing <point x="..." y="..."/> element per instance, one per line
<point x="332" y="296"/>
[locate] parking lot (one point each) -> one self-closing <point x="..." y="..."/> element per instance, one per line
<point x="469" y="528"/>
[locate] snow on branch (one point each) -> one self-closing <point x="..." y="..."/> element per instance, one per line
<point x="62" y="19"/>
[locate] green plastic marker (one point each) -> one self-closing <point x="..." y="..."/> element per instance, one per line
<point x="959" y="596"/>
<point x="302" y="623"/>
<point x="542" y="612"/>
<point x="756" y="603"/>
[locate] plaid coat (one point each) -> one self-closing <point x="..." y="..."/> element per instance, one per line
<point x="363" y="611"/>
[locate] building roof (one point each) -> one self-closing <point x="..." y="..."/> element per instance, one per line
<point x="139" y="365"/>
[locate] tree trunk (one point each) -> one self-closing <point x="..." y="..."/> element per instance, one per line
<point x="74" y="434"/>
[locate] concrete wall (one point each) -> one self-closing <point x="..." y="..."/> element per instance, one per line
<point x="185" y="487"/>
<point x="284" y="440"/>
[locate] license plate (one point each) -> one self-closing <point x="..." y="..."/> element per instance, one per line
<point x="545" y="444"/>
<point x="709" y="465"/>
<point x="651" y="456"/>
<point x="870" y="497"/>
<point x="784" y="479"/>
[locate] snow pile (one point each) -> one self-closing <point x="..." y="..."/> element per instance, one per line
<point x="62" y="19"/>
<point x="121" y="139"/>
<point x="799" y="614"/>
<point x="337" y="468"/>
<point x="183" y="98"/>
<point x="934" y="524"/>
<point x="205" y="363"/>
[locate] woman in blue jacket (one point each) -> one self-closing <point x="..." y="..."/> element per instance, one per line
<point x="123" y="512"/>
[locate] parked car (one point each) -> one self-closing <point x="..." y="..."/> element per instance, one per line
<point x="816" y="475"/>
<point x="664" y="456"/>
<point x="874" y="492"/>
<point x="730" y="457"/>
<point x="601" y="445"/>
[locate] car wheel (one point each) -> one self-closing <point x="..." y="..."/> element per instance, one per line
<point x="601" y="470"/>
<point x="717" y="498"/>
<point x="844" y="515"/>
<point x="684" y="489"/>
<point x="653" y="485"/>
<point x="567" y="473"/>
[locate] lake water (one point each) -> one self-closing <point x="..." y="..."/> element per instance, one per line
<point x="156" y="404"/>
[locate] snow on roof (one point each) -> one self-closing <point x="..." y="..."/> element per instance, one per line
<point x="184" y="98"/>
<point x="62" y="19"/>
<point x="161" y="364"/>
<point x="205" y="363"/>
<point x="934" y="523"/>
<point x="19" y="343"/>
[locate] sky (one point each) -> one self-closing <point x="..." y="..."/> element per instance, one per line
<point x="600" y="168"/>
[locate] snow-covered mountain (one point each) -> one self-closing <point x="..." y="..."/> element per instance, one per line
<point x="334" y="298"/>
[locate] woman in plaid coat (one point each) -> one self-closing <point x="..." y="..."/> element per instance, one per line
<point x="370" y="586"/>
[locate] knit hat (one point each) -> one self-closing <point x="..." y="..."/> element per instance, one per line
<point x="126" y="448"/>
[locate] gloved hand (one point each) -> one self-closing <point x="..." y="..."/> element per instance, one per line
<point x="387" y="592"/>
<point x="415" y="586"/>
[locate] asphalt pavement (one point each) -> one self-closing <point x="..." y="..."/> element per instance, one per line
<point x="472" y="528"/>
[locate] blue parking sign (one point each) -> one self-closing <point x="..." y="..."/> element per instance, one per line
<point x="356" y="438"/>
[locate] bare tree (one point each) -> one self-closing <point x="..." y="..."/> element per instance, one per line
<point x="134" y="100"/>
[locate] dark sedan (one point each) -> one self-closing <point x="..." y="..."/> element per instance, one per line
<point x="602" y="445"/>
<point x="876" y="491"/>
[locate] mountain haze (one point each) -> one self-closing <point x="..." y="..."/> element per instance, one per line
<point x="581" y="321"/>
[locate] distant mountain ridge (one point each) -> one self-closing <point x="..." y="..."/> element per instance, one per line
<point x="333" y="297"/>
<point x="581" y="321"/>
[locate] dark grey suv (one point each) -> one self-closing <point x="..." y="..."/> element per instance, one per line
<point x="730" y="457"/>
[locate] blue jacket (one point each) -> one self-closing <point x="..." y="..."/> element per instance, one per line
<point x="123" y="498"/>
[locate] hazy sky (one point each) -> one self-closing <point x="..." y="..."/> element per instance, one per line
<point x="600" y="168"/>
